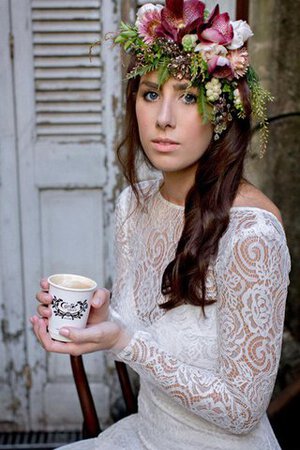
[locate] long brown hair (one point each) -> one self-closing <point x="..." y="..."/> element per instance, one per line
<point x="206" y="215"/>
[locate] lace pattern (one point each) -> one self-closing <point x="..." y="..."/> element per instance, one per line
<point x="222" y="368"/>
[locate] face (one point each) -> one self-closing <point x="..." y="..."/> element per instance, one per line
<point x="171" y="130"/>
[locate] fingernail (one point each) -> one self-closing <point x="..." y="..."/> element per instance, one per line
<point x="64" y="332"/>
<point x="97" y="301"/>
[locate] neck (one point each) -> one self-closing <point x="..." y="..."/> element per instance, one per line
<point x="176" y="186"/>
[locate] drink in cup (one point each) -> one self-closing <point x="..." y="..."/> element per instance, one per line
<point x="72" y="295"/>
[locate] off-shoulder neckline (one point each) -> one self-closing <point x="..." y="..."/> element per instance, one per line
<point x="262" y="210"/>
<point x="232" y="209"/>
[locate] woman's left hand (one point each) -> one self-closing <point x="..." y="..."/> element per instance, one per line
<point x="100" y="336"/>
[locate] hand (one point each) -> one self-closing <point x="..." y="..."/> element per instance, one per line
<point x="99" y="304"/>
<point x="99" y="334"/>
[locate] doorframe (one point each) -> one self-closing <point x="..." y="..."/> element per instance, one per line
<point x="242" y="10"/>
<point x="13" y="322"/>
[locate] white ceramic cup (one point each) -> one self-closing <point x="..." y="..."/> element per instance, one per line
<point x="70" y="306"/>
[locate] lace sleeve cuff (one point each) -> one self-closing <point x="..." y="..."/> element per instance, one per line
<point x="130" y="353"/>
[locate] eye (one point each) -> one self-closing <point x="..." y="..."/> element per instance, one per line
<point x="150" y="96"/>
<point x="189" y="98"/>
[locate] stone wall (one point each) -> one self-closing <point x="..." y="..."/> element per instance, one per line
<point x="275" y="54"/>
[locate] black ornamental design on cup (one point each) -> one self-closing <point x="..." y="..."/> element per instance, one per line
<point x="67" y="310"/>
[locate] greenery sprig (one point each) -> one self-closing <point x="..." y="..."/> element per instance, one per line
<point x="259" y="99"/>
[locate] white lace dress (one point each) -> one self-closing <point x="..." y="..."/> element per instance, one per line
<point x="206" y="382"/>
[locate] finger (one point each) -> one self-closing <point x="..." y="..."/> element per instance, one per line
<point x="44" y="298"/>
<point x="69" y="348"/>
<point x="45" y="339"/>
<point x="44" y="284"/>
<point x="92" y="334"/>
<point x="44" y="311"/>
<point x="40" y="330"/>
<point x="35" y="325"/>
<point x="100" y="297"/>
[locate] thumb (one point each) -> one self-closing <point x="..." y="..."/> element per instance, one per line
<point x="84" y="335"/>
<point x="100" y="297"/>
<point x="71" y="333"/>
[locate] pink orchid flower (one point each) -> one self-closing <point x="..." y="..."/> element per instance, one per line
<point x="218" y="28"/>
<point x="180" y="17"/>
<point x="149" y="22"/>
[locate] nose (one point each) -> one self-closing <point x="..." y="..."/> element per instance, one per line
<point x="166" y="115"/>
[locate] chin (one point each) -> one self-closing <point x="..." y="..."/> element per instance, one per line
<point x="168" y="167"/>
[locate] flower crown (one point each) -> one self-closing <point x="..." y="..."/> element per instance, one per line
<point x="184" y="40"/>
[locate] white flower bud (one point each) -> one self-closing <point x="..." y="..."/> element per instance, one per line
<point x="241" y="33"/>
<point x="215" y="81"/>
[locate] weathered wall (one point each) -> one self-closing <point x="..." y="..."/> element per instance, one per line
<point x="275" y="54"/>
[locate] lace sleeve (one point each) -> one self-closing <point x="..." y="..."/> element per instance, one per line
<point x="122" y="253"/>
<point x="252" y="280"/>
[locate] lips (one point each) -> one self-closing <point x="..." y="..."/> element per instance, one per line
<point x="164" y="141"/>
<point x="163" y="145"/>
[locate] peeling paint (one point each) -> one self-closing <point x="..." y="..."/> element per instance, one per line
<point x="27" y="376"/>
<point x="8" y="426"/>
<point x="115" y="104"/>
<point x="15" y="405"/>
<point x="7" y="335"/>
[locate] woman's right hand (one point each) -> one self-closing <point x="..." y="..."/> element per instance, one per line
<point x="99" y="304"/>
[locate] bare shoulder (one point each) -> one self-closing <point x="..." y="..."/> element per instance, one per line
<point x="249" y="195"/>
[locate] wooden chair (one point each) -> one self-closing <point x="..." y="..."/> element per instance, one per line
<point x="91" y="427"/>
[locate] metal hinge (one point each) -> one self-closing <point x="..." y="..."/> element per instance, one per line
<point x="11" y="45"/>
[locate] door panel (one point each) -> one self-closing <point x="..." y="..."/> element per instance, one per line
<point x="71" y="222"/>
<point x="66" y="110"/>
<point x="60" y="120"/>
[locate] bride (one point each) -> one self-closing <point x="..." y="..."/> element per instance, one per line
<point x="202" y="263"/>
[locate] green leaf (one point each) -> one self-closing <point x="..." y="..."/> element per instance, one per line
<point x="127" y="46"/>
<point x="226" y="87"/>
<point x="163" y="71"/>
<point x="252" y="77"/>
<point x="119" y="39"/>
<point x="202" y="105"/>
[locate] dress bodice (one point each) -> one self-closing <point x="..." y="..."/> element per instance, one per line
<point x="220" y="369"/>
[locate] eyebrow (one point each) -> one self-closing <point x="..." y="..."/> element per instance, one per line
<point x="177" y="86"/>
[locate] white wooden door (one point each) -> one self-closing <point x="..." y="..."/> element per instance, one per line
<point x="67" y="108"/>
<point x="14" y="371"/>
<point x="59" y="123"/>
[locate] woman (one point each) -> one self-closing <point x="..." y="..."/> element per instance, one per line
<point x="202" y="263"/>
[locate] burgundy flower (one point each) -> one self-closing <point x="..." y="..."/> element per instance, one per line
<point x="220" y="67"/>
<point x="180" y="17"/>
<point x="218" y="29"/>
<point x="215" y="12"/>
